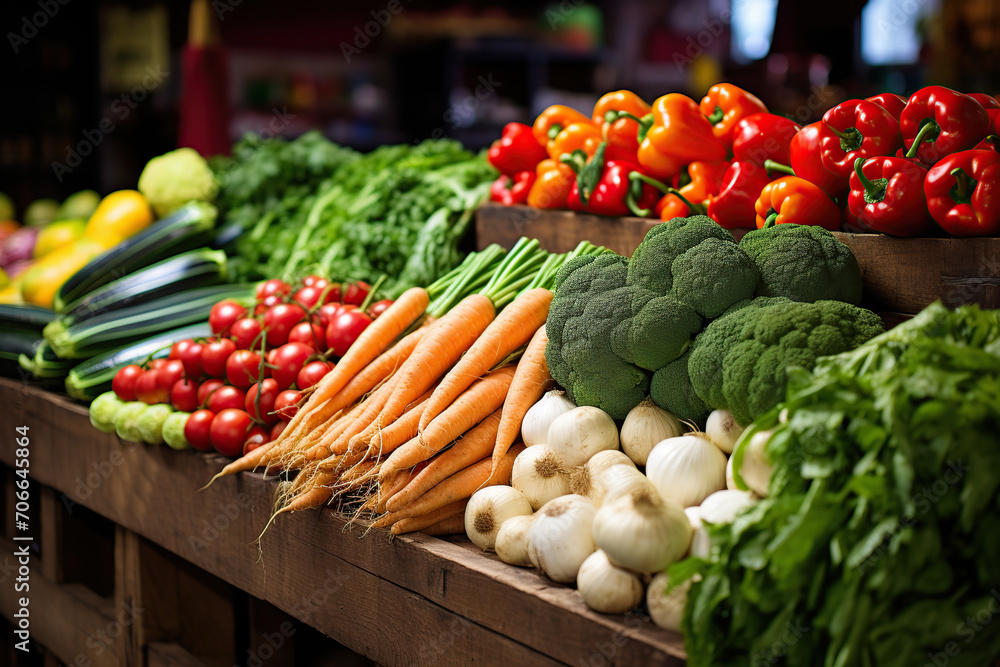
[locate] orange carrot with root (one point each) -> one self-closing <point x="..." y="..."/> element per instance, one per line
<point x="433" y="517"/>
<point x="451" y="526"/>
<point x="512" y="328"/>
<point x="531" y="381"/>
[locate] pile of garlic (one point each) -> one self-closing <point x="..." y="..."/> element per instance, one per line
<point x="609" y="510"/>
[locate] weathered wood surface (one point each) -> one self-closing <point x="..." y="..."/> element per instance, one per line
<point x="412" y="600"/>
<point x="902" y="276"/>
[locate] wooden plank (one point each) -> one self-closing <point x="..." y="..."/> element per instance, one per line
<point x="51" y="536"/>
<point x="70" y="620"/>
<point x="153" y="492"/>
<point x="271" y="631"/>
<point x="160" y="654"/>
<point x="902" y="276"/>
<point x="127" y="591"/>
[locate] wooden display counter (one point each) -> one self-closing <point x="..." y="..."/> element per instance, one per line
<point x="412" y="600"/>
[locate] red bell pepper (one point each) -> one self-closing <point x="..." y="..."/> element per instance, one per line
<point x="764" y="136"/>
<point x="891" y="102"/>
<point x="940" y="121"/>
<point x="678" y="135"/>
<point x="807" y="164"/>
<point x="856" y="129"/>
<point x="619" y="115"/>
<point x="963" y="193"/>
<point x="733" y="207"/>
<point x="516" y="150"/>
<point x="724" y="105"/>
<point x="988" y="101"/>
<point x="795" y="200"/>
<point x="887" y="195"/>
<point x="604" y="187"/>
<point x="510" y="190"/>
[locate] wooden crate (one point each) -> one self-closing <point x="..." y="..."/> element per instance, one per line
<point x="902" y="276"/>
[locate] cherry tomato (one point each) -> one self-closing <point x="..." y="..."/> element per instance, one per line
<point x="191" y="358"/>
<point x="308" y="297"/>
<point x="312" y="373"/>
<point x="226" y="398"/>
<point x="287" y="404"/>
<point x="379" y="307"/>
<point x="123" y="384"/>
<point x="207" y="388"/>
<point x="333" y="294"/>
<point x="184" y="395"/>
<point x="287" y="360"/>
<point x="243" y="368"/>
<point x="156" y="363"/>
<point x="356" y="293"/>
<point x="229" y="431"/>
<point x="280" y="320"/>
<point x="223" y="314"/>
<point x="256" y="437"/>
<point x="147" y="387"/>
<point x="169" y="374"/>
<point x="277" y="429"/>
<point x="345" y="329"/>
<point x="214" y="356"/>
<point x="272" y="287"/>
<point x="197" y="429"/>
<point x="315" y="281"/>
<point x="268" y="303"/>
<point x="312" y="335"/>
<point x="326" y="313"/>
<point x="268" y="390"/>
<point x="177" y="349"/>
<point x="245" y="332"/>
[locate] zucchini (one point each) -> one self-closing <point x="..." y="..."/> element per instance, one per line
<point x="118" y="327"/>
<point x="93" y="377"/>
<point x="44" y="363"/>
<point x="195" y="268"/>
<point x="24" y="318"/>
<point x="187" y="228"/>
<point x="15" y="342"/>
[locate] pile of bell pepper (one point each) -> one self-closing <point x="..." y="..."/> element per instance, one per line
<point x="885" y="164"/>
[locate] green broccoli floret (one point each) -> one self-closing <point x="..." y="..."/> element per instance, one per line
<point x="660" y="330"/>
<point x="759" y="342"/>
<point x="671" y="389"/>
<point x="712" y="276"/>
<point x="803" y="263"/>
<point x="650" y="265"/>
<point x="175" y="178"/>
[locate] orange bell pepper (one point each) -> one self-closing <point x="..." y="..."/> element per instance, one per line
<point x="724" y="106"/>
<point x="706" y="180"/>
<point x="553" y="120"/>
<point x="552" y="185"/>
<point x="678" y="135"/>
<point x="619" y="114"/>
<point x="795" y="200"/>
<point x="585" y="136"/>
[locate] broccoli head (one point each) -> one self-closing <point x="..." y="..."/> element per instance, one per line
<point x="803" y="263"/>
<point x="650" y="266"/>
<point x="660" y="330"/>
<point x="755" y="344"/>
<point x="712" y="276"/>
<point x="671" y="389"/>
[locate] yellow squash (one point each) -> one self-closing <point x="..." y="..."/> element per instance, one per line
<point x="121" y="214"/>
<point x="40" y="282"/>
<point x="58" y="234"/>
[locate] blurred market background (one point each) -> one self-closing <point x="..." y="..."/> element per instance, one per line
<point x="92" y="90"/>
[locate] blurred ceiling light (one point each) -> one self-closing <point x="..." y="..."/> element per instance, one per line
<point x="889" y="30"/>
<point x="752" y="28"/>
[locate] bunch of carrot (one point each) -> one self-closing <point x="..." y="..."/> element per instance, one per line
<point x="426" y="406"/>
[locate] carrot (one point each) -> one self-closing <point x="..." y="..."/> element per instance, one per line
<point x="451" y="526"/>
<point x="372" y="342"/>
<point x="388" y="439"/>
<point x="513" y="327"/>
<point x="531" y="380"/>
<point x="474" y="446"/>
<point x="443" y="345"/>
<point x="459" y="486"/>
<point x="321" y="449"/>
<point x="474" y="405"/>
<point x="392" y="486"/>
<point x="369" y="415"/>
<point x="416" y="523"/>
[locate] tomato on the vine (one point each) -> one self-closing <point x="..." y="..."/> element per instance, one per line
<point x="315" y="281"/>
<point x="224" y="314"/>
<point x="207" y="388"/>
<point x="190" y="356"/>
<point x="245" y="332"/>
<point x="312" y="373"/>
<point x="379" y="307"/>
<point x="345" y="329"/>
<point x="357" y="292"/>
<point x="272" y="287"/>
<point x="184" y="395"/>
<point x="327" y="313"/>
<point x="123" y="383"/>
<point x="227" y="397"/>
<point x="277" y="429"/>
<point x="168" y="374"/>
<point x="196" y="429"/>
<point x="214" y="356"/>
<point x="156" y="363"/>
<point x="312" y="335"/>
<point x="178" y="348"/>
<point x="280" y="320"/>
<point x="229" y="430"/>
<point x="307" y="297"/>
<point x="287" y="404"/>
<point x="286" y="361"/>
<point x="147" y="386"/>
<point x="268" y="390"/>
<point x="256" y="437"/>
<point x="243" y="368"/>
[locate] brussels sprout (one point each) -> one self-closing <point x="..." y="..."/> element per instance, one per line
<point x="103" y="411"/>
<point x="127" y="420"/>
<point x="173" y="430"/>
<point x="151" y="423"/>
